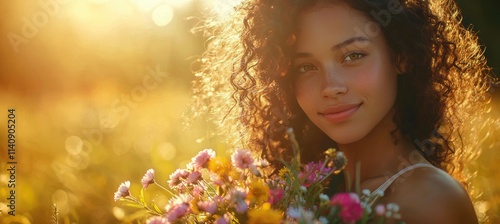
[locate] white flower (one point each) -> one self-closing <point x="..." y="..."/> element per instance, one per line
<point x="123" y="190"/>
<point x="393" y="207"/>
<point x="366" y="192"/>
<point x="293" y="212"/>
<point x="324" y="197"/>
<point x="323" y="220"/>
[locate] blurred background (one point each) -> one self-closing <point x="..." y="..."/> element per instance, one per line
<point x="99" y="88"/>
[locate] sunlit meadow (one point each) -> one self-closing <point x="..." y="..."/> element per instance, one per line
<point x="99" y="88"/>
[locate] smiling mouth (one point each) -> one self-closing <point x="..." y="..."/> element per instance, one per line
<point x="339" y="113"/>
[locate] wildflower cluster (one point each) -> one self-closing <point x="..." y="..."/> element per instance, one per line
<point x="241" y="189"/>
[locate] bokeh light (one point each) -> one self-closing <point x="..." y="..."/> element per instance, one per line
<point x="163" y="15"/>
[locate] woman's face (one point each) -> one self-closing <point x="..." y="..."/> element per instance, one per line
<point x="345" y="78"/>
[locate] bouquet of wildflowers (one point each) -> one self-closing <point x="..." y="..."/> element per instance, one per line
<point x="240" y="189"/>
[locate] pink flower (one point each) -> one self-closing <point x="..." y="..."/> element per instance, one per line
<point x="156" y="220"/>
<point x="123" y="190"/>
<point x="177" y="177"/>
<point x="380" y="210"/>
<point x="177" y="212"/>
<point x="216" y="179"/>
<point x="197" y="191"/>
<point x="201" y="159"/>
<point x="148" y="178"/>
<point x="178" y="207"/>
<point x="242" y="159"/>
<point x="275" y="195"/>
<point x="208" y="206"/>
<point x="350" y="206"/>
<point x="194" y="177"/>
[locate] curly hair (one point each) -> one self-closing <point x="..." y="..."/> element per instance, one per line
<point x="245" y="80"/>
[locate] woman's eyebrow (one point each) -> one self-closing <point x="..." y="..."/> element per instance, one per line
<point x="336" y="47"/>
<point x="348" y="42"/>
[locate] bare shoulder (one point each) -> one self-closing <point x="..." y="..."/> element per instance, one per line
<point x="430" y="195"/>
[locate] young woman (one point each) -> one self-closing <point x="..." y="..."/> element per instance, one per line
<point x="393" y="84"/>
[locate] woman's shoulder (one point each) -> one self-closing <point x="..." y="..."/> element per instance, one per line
<point x="430" y="195"/>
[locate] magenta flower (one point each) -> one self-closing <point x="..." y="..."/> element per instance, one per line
<point x="156" y="220"/>
<point x="313" y="172"/>
<point x="149" y="178"/>
<point x="275" y="195"/>
<point x="123" y="190"/>
<point x="177" y="177"/>
<point x="242" y="159"/>
<point x="208" y="206"/>
<point x="201" y="159"/>
<point x="350" y="206"/>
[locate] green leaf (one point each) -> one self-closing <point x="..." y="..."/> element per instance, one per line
<point x="155" y="207"/>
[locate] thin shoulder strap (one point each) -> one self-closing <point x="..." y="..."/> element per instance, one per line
<point x="379" y="192"/>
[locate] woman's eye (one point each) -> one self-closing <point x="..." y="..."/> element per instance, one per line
<point x="353" y="56"/>
<point x="306" y="68"/>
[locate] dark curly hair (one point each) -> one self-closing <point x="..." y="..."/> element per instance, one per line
<point x="245" y="82"/>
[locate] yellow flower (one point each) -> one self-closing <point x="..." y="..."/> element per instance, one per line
<point x="264" y="216"/>
<point x="259" y="192"/>
<point x="284" y="173"/>
<point x="220" y="165"/>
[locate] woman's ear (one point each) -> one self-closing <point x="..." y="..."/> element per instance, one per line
<point x="401" y="64"/>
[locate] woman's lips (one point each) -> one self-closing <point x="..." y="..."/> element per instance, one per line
<point x="340" y="112"/>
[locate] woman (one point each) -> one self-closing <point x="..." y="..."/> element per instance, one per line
<point x="389" y="83"/>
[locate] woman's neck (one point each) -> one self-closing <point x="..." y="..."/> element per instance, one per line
<point x="377" y="154"/>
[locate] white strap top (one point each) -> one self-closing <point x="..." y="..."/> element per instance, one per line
<point x="379" y="192"/>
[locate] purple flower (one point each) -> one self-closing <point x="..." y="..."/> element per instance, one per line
<point x="123" y="190"/>
<point x="201" y="159"/>
<point x="350" y="206"/>
<point x="222" y="220"/>
<point x="149" y="178"/>
<point x="156" y="220"/>
<point x="241" y="206"/>
<point x="242" y="159"/>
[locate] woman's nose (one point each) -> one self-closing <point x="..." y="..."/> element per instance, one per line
<point x="333" y="84"/>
